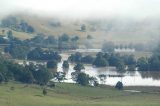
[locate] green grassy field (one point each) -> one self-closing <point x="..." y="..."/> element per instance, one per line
<point x="75" y="95"/>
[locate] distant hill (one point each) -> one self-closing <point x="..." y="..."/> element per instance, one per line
<point x="110" y="29"/>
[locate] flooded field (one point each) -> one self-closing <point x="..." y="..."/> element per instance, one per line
<point x="129" y="78"/>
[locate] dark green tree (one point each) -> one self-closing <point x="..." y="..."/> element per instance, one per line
<point x="42" y="75"/>
<point x="78" y="67"/>
<point x="75" y="57"/>
<point x="52" y="64"/>
<point x="119" y="85"/>
<point x="87" y="59"/>
<point x="65" y="64"/>
<point x="64" y="38"/>
<point x="143" y="64"/>
<point x="100" y="61"/>
<point x="83" y="79"/>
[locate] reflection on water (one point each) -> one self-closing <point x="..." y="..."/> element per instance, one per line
<point x="129" y="78"/>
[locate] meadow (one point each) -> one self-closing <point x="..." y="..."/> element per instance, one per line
<point x="75" y="95"/>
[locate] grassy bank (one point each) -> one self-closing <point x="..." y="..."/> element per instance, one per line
<point x="75" y="95"/>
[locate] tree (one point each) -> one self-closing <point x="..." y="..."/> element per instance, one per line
<point x="65" y="64"/>
<point x="30" y="29"/>
<point x="143" y="64"/>
<point x="60" y="76"/>
<point x="75" y="57"/>
<point x="52" y="64"/>
<point x="9" y="21"/>
<point x="10" y="35"/>
<point x="42" y="75"/>
<point x="78" y="67"/>
<point x="120" y="66"/>
<point x="64" y="38"/>
<point x="129" y="59"/>
<point x="87" y="59"/>
<point x="50" y="40"/>
<point x="93" y="81"/>
<point x="154" y="63"/>
<point x="102" y="78"/>
<point x="17" y="51"/>
<point x="74" y="75"/>
<point x="27" y="76"/>
<point x="83" y="79"/>
<point x="100" y="61"/>
<point x="119" y="85"/>
<point x="40" y="54"/>
<point x="114" y="59"/>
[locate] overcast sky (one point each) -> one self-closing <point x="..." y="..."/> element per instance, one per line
<point x="127" y="8"/>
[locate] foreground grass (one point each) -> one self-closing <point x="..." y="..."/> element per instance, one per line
<point x="74" y="95"/>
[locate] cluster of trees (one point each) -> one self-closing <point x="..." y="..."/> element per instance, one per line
<point x="105" y="59"/>
<point x="41" y="40"/>
<point x="77" y="57"/>
<point x="17" y="50"/>
<point x="3" y="40"/>
<point x="121" y="62"/>
<point x="26" y="74"/>
<point x="22" y="51"/>
<point x="17" y="25"/>
<point x="40" y="54"/>
<point x="63" y="42"/>
<point x="149" y="64"/>
<point x="7" y="38"/>
<point x="82" y="78"/>
<point x="66" y="42"/>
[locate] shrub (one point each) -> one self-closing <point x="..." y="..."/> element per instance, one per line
<point x="44" y="92"/>
<point x="119" y="85"/>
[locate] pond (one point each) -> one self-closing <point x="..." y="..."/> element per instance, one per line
<point x="129" y="78"/>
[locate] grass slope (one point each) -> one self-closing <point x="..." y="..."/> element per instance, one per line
<point x="117" y="33"/>
<point x="73" y="95"/>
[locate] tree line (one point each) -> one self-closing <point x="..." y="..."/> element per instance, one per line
<point x="121" y="62"/>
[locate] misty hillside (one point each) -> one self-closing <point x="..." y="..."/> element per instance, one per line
<point x="118" y="30"/>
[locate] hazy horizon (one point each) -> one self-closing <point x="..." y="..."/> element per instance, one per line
<point x="138" y="9"/>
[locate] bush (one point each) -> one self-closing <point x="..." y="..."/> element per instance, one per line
<point x="119" y="85"/>
<point x="44" y="92"/>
